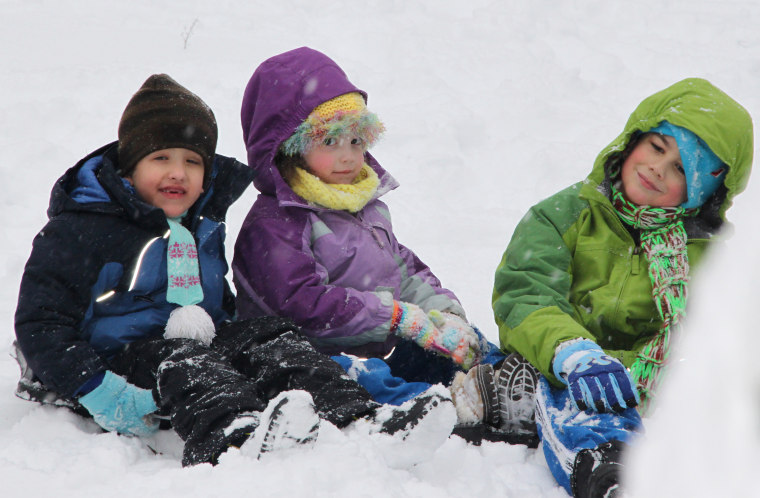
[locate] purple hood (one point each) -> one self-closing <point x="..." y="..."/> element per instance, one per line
<point x="271" y="113"/>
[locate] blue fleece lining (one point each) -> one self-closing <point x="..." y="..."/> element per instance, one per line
<point x="89" y="189"/>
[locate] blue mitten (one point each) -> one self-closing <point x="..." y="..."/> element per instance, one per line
<point x="117" y="405"/>
<point x="596" y="380"/>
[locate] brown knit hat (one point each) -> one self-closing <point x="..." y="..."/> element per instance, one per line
<point x="164" y="115"/>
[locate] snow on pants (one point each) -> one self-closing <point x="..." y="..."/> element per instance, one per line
<point x="273" y="353"/>
<point x="408" y="371"/>
<point x="203" y="389"/>
<point x="564" y="430"/>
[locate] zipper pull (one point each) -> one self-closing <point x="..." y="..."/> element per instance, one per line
<point x="376" y="236"/>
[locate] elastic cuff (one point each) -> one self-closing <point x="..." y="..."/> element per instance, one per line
<point x="568" y="348"/>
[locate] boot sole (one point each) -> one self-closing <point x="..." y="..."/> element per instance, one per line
<point x="516" y="387"/>
<point x="489" y="394"/>
<point x="292" y="422"/>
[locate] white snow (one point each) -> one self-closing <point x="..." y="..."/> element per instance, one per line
<point x="490" y="107"/>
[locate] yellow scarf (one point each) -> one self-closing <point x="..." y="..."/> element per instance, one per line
<point x="345" y="197"/>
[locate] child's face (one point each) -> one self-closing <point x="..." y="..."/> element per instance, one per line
<point x="336" y="160"/>
<point x="170" y="179"/>
<point x="653" y="173"/>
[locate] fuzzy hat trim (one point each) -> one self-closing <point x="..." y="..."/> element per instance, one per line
<point x="334" y="118"/>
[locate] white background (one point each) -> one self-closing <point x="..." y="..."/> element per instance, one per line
<point x="490" y="106"/>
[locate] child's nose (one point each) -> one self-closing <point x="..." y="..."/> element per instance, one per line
<point x="657" y="167"/>
<point x="176" y="170"/>
<point x="346" y="152"/>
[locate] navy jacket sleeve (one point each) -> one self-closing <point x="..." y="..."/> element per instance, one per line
<point x="53" y="299"/>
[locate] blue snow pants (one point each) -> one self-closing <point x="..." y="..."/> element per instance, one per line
<point x="565" y="431"/>
<point x="408" y="371"/>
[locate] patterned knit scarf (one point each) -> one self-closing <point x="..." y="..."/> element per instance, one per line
<point x="345" y="197"/>
<point x="182" y="266"/>
<point x="663" y="240"/>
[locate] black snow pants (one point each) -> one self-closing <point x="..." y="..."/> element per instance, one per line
<point x="203" y="389"/>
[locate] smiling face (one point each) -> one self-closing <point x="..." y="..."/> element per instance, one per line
<point x="653" y="174"/>
<point x="170" y="179"/>
<point x="336" y="160"/>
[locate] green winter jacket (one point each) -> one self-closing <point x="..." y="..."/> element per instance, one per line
<point x="572" y="269"/>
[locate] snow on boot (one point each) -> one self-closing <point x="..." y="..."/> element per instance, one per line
<point x="208" y="447"/>
<point x="289" y="421"/>
<point x="516" y="388"/>
<point x="409" y="434"/>
<point x="474" y="396"/>
<point x="596" y="472"/>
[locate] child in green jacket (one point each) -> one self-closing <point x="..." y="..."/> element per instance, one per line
<point x="592" y="288"/>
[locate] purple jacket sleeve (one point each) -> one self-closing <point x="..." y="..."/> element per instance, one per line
<point x="275" y="273"/>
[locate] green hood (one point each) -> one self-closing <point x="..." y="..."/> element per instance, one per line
<point x="697" y="105"/>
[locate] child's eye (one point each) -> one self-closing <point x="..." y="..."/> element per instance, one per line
<point x="329" y="141"/>
<point x="656" y="147"/>
<point x="357" y="141"/>
<point x="680" y="169"/>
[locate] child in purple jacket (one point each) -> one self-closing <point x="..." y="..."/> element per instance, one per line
<point x="318" y="244"/>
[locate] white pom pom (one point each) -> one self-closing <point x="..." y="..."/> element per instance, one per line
<point x="190" y="322"/>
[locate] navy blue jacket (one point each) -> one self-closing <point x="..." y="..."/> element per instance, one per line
<point x="96" y="278"/>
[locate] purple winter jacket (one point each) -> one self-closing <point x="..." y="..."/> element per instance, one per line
<point x="335" y="274"/>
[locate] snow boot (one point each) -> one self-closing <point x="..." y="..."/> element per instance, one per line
<point x="516" y="387"/>
<point x="207" y="448"/>
<point x="410" y="433"/>
<point x="289" y="421"/>
<point x="474" y="396"/>
<point x="596" y="472"/>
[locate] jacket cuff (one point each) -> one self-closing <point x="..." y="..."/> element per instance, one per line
<point x="90" y="385"/>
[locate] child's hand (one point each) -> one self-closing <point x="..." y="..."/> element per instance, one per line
<point x="458" y="337"/>
<point x="596" y="380"/>
<point x="413" y="324"/>
<point x="117" y="405"/>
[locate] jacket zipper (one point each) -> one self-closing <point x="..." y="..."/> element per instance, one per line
<point x="635" y="260"/>
<point x="375" y="235"/>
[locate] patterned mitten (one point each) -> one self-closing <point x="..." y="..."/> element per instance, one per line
<point x="411" y="322"/>
<point x="458" y="337"/>
<point x="596" y="380"/>
<point x="117" y="405"/>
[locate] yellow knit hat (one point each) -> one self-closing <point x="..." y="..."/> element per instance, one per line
<point x="348" y="102"/>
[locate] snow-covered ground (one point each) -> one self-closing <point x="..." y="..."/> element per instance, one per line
<point x="490" y="106"/>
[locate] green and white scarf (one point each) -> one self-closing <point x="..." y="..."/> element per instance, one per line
<point x="663" y="241"/>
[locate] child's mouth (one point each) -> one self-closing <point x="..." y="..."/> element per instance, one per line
<point x="647" y="184"/>
<point x="172" y="192"/>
